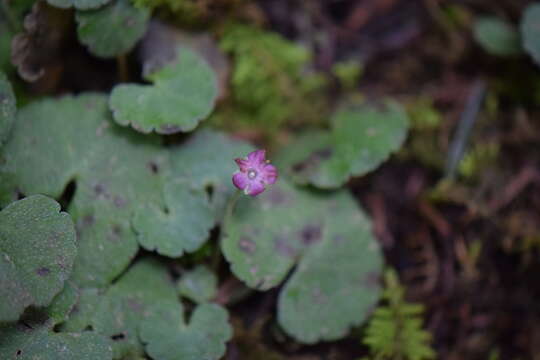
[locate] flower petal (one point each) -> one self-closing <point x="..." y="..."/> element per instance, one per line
<point x="243" y="164"/>
<point x="270" y="174"/>
<point x="240" y="180"/>
<point x="257" y="157"/>
<point x="254" y="188"/>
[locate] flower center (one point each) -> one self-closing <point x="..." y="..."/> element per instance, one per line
<point x="252" y="173"/>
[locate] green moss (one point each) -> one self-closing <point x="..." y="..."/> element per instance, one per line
<point x="423" y="114"/>
<point x="424" y="144"/>
<point x="269" y="81"/>
<point x="173" y="5"/>
<point x="187" y="12"/>
<point x="347" y="73"/>
<point x="477" y="159"/>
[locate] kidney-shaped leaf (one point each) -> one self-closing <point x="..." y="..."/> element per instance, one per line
<point x="167" y="337"/>
<point x="530" y="31"/>
<point x="497" y="36"/>
<point x="125" y="304"/>
<point x="7" y="108"/>
<point x="37" y="250"/>
<point x="79" y="4"/>
<point x="23" y="343"/>
<point x="115" y="169"/>
<point x="182" y="225"/>
<point x="360" y="140"/>
<point x="329" y="239"/>
<point x="183" y="94"/>
<point x="113" y="29"/>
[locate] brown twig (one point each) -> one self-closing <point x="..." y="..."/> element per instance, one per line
<point x="526" y="176"/>
<point x="123" y="72"/>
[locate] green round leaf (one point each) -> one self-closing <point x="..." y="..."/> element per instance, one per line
<point x="360" y="140"/>
<point x="37" y="250"/>
<point x="167" y="337"/>
<point x="183" y="224"/>
<point x="23" y="343"/>
<point x="183" y="94"/>
<point x="497" y="36"/>
<point x="115" y="170"/>
<point x="7" y="108"/>
<point x="78" y="4"/>
<point x="113" y="29"/>
<point x="285" y="226"/>
<point x="199" y="284"/>
<point x="126" y="303"/>
<point x="530" y="31"/>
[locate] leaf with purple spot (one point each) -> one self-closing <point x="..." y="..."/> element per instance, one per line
<point x="118" y="311"/>
<point x="183" y="94"/>
<point x="112" y="169"/>
<point x="362" y="137"/>
<point x="37" y="251"/>
<point x="328" y="242"/>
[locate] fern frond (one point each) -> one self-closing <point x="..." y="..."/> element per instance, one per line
<point x="270" y="84"/>
<point x="395" y="330"/>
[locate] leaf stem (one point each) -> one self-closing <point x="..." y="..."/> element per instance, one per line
<point x="226" y="218"/>
<point x="230" y="206"/>
<point x="123" y="72"/>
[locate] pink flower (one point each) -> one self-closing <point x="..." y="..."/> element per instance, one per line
<point x="255" y="173"/>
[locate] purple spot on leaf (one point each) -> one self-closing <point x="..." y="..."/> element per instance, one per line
<point x="154" y="168"/>
<point x="247" y="245"/>
<point x="310" y="234"/>
<point x="119" y="201"/>
<point x="283" y="248"/>
<point x="43" y="271"/>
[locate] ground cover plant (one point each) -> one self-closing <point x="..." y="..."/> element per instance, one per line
<point x="241" y="179"/>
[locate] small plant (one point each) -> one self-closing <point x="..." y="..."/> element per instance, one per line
<point x="395" y="330"/>
<point x="500" y="38"/>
